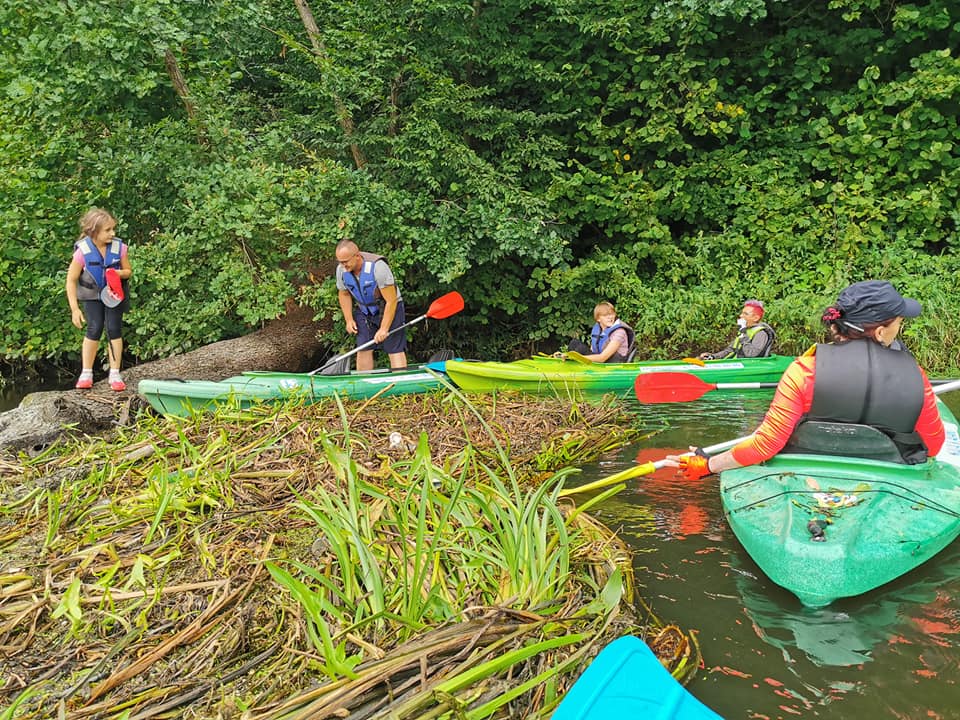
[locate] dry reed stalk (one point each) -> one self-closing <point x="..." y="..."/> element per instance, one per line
<point x="176" y="648"/>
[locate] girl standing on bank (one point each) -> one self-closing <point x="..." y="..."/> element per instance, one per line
<point x="98" y="276"/>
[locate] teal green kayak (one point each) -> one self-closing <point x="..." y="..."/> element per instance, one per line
<point x="180" y="397"/>
<point x="826" y="527"/>
<point x="626" y="680"/>
<point x="547" y="375"/>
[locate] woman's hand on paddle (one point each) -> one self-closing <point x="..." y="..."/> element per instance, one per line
<point x="692" y="466"/>
<point x="77" y="318"/>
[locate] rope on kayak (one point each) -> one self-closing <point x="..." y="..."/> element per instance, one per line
<point x="913" y="496"/>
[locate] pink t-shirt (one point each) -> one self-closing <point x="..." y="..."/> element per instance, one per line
<point x="619" y="335"/>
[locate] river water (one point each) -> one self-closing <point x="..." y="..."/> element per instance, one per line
<point x="892" y="653"/>
<point x="12" y="392"/>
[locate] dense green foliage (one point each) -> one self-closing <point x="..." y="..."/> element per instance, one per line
<point x="673" y="157"/>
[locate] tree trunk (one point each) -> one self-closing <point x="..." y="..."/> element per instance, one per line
<point x="343" y="114"/>
<point x="180" y="87"/>
<point x="288" y="344"/>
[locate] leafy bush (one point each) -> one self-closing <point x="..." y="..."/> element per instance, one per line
<point x="673" y="158"/>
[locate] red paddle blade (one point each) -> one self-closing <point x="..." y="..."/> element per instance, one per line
<point x="667" y="387"/>
<point x="445" y="306"/>
<point x="114" y="282"/>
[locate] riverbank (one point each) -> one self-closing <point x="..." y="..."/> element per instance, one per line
<point x="297" y="562"/>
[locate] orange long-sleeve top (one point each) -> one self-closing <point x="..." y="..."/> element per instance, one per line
<point x="793" y="400"/>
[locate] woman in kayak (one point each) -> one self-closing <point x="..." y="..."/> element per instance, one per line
<point x="611" y="339"/>
<point x="858" y="378"/>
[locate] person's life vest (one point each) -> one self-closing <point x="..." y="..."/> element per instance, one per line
<point x="364" y="288"/>
<point x="93" y="278"/>
<point x="599" y="338"/>
<point x="862" y="383"/>
<point x="750" y="332"/>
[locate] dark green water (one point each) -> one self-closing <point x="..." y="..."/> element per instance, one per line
<point x="892" y="653"/>
<point x="12" y="391"/>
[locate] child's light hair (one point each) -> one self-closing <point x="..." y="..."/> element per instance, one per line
<point x="603" y="308"/>
<point x="93" y="220"/>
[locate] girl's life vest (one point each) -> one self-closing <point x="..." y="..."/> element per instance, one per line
<point x="600" y="337"/>
<point x="93" y="278"/>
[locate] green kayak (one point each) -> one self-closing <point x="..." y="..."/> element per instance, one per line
<point x="826" y="527"/>
<point x="556" y="376"/>
<point x="179" y="397"/>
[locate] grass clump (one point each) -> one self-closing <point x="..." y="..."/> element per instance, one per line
<point x="290" y="562"/>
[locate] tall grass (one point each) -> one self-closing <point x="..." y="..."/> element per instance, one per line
<point x="413" y="551"/>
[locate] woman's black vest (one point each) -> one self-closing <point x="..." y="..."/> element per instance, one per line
<point x="862" y="383"/>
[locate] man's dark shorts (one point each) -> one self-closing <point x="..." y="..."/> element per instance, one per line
<point x="367" y="326"/>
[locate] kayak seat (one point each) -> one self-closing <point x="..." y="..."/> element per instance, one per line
<point x="819" y="437"/>
<point x="442" y="355"/>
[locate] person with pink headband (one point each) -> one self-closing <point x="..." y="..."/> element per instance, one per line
<point x="754" y="338"/>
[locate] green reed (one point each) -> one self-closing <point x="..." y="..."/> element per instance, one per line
<point x="281" y="560"/>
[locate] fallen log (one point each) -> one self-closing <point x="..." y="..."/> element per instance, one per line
<point x="288" y="344"/>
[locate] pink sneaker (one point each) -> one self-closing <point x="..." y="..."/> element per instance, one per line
<point x="118" y="385"/>
<point x="84" y="383"/>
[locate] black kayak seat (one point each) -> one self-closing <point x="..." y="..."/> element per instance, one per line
<point x="819" y="437"/>
<point x="442" y="355"/>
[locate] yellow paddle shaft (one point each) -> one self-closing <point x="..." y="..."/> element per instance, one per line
<point x="643" y="469"/>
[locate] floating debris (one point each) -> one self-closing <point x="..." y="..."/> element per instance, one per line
<point x="816" y="529"/>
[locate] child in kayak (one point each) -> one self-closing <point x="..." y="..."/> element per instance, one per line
<point x="611" y="339"/>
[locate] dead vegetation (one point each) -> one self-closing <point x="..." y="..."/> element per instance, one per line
<point x="293" y="562"/>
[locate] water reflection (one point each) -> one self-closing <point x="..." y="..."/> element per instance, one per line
<point x="850" y="632"/>
<point x="892" y="653"/>
<point x="827" y="636"/>
<point x="675" y="504"/>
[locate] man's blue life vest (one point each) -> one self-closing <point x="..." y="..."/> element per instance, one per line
<point x="364" y="288"/>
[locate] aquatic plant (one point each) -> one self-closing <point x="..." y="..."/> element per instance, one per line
<point x="287" y="562"/>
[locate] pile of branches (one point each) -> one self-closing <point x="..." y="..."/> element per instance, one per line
<point x="295" y="562"/>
